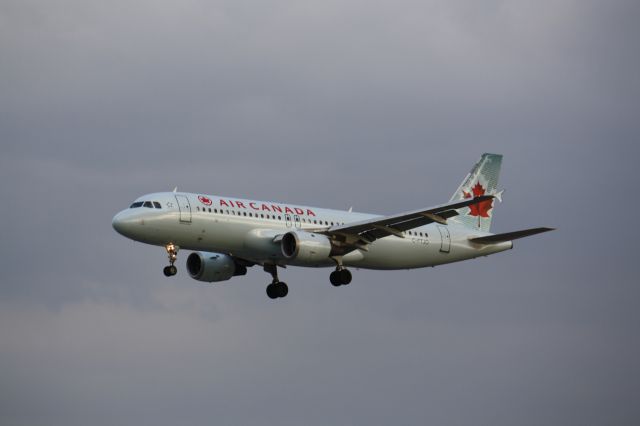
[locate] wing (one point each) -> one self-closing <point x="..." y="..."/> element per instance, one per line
<point x="508" y="236"/>
<point x="360" y="234"/>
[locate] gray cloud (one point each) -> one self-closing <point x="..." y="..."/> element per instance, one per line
<point x="379" y="106"/>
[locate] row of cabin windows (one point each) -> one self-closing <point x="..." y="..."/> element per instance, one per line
<point x="152" y="204"/>
<point x="274" y="217"/>
<point x="265" y="216"/>
<point x="148" y="204"/>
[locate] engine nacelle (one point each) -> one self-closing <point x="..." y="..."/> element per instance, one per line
<point x="306" y="248"/>
<point x="212" y="267"/>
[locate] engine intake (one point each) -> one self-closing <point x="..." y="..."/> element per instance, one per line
<point x="306" y="248"/>
<point x="213" y="267"/>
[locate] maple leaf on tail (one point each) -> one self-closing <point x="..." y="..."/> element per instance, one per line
<point x="482" y="208"/>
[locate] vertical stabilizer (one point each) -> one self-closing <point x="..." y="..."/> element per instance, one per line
<point x="481" y="180"/>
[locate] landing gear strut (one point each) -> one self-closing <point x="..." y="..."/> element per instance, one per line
<point x="341" y="276"/>
<point x="277" y="288"/>
<point x="172" y="252"/>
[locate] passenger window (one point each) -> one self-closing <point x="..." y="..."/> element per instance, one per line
<point x="148" y="204"/>
<point x="136" y="205"/>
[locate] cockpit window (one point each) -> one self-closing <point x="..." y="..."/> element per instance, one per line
<point x="148" y="204"/>
<point x="136" y="205"/>
<point x="157" y="204"/>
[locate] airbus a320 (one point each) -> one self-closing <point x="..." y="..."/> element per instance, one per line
<point x="227" y="235"/>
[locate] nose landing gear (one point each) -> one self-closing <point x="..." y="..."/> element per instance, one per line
<point x="172" y="252"/>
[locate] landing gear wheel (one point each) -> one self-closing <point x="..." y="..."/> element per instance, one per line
<point x="272" y="291"/>
<point x="283" y="289"/>
<point x="335" y="278"/>
<point x="277" y="289"/>
<point x="167" y="271"/>
<point x="170" y="271"/>
<point x="340" y="277"/>
<point x="345" y="276"/>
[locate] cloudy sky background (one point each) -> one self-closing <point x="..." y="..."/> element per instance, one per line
<point x="383" y="106"/>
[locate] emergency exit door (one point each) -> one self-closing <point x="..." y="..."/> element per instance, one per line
<point x="445" y="239"/>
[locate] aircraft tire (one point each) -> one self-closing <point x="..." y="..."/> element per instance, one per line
<point x="272" y="291"/>
<point x="335" y="279"/>
<point x="283" y="289"/>
<point x="345" y="276"/>
<point x="167" y="271"/>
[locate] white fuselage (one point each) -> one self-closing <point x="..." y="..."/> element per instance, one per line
<point x="248" y="229"/>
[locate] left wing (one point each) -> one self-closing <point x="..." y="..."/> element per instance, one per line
<point x="508" y="236"/>
<point x="360" y="234"/>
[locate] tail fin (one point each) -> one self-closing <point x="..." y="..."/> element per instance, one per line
<point x="481" y="180"/>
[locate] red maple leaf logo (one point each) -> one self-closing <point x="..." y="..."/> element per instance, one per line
<point x="205" y="200"/>
<point x="482" y="208"/>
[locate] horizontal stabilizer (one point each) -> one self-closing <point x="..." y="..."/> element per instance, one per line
<point x="508" y="236"/>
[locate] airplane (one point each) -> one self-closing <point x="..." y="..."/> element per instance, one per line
<point x="227" y="235"/>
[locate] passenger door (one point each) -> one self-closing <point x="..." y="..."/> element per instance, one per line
<point x="185" y="208"/>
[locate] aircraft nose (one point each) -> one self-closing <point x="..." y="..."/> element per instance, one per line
<point x="123" y="223"/>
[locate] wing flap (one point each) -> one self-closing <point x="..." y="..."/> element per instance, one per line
<point x="509" y="236"/>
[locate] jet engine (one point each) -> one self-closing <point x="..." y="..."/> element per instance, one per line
<point x="306" y="248"/>
<point x="211" y="267"/>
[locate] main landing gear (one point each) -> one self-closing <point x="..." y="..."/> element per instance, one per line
<point x="341" y="276"/>
<point x="172" y="252"/>
<point x="277" y="288"/>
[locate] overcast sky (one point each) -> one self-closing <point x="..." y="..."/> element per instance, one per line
<point x="383" y="106"/>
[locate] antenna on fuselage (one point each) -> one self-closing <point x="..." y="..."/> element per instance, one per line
<point x="350" y="209"/>
<point x="175" y="189"/>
